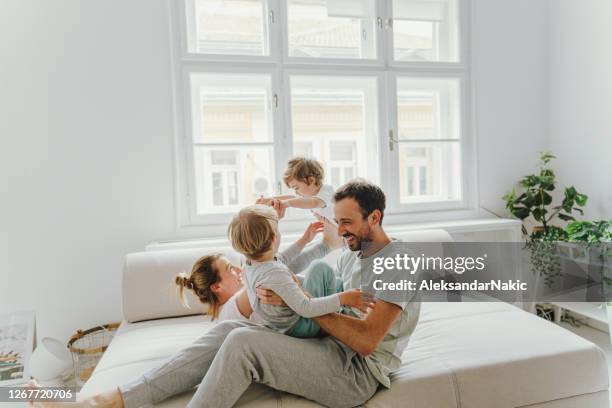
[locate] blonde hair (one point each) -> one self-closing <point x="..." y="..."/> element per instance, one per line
<point x="252" y="230"/>
<point x="203" y="276"/>
<point x="305" y="170"/>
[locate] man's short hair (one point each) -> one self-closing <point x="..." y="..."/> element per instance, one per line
<point x="369" y="196"/>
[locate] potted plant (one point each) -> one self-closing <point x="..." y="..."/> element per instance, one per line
<point x="535" y="200"/>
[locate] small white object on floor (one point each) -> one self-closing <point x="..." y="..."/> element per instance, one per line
<point x="49" y="360"/>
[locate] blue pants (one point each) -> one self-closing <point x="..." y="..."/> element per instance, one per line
<point x="319" y="280"/>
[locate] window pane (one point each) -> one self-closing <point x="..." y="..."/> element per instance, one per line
<point x="228" y="27"/>
<point x="337" y="117"/>
<point x="425" y="30"/>
<point x="429" y="171"/>
<point x="335" y="177"/>
<point x="229" y="178"/>
<point x="217" y="184"/>
<point x="331" y="28"/>
<point x="348" y="174"/>
<point x="428" y="108"/>
<point x="302" y="149"/>
<point x="423" y="181"/>
<point x="231" y="108"/>
<point x="410" y="180"/>
<point x="221" y="157"/>
<point x="339" y="151"/>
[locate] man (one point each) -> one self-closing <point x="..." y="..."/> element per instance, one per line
<point x="341" y="370"/>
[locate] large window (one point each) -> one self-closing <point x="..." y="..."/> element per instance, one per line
<point x="370" y="88"/>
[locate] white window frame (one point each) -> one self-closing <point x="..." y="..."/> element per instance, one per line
<point x="280" y="67"/>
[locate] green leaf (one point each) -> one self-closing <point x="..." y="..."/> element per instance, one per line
<point x="539" y="214"/>
<point x="520" y="212"/>
<point x="566" y="217"/>
<point x="509" y="196"/>
<point x="581" y="199"/>
<point x="546" y="157"/>
<point x="529" y="181"/>
<point x="529" y="201"/>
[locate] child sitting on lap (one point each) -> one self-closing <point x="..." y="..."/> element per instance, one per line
<point x="254" y="233"/>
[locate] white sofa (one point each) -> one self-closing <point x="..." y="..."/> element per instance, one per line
<point x="469" y="355"/>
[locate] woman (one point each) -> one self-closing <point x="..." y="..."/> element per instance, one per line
<point x="218" y="283"/>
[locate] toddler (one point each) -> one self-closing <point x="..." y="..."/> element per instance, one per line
<point x="305" y="177"/>
<point x="254" y="233"/>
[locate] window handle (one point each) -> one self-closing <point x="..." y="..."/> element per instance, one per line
<point x="392" y="140"/>
<point x="384" y="23"/>
<point x="271" y="16"/>
<point x="275" y="101"/>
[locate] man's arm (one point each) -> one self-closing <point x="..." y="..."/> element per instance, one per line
<point x="304" y="259"/>
<point x="363" y="336"/>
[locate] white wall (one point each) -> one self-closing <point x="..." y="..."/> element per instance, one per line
<point x="86" y="171"/>
<point x="510" y="72"/>
<point x="580" y="95"/>
<point x="86" y="144"/>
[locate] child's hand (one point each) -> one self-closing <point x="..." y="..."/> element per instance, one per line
<point x="268" y="297"/>
<point x="357" y="299"/>
<point x="282" y="204"/>
<point x="311" y="231"/>
<point x="263" y="200"/>
<point x="278" y="207"/>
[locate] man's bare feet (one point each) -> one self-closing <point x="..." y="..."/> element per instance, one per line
<point x="110" y="399"/>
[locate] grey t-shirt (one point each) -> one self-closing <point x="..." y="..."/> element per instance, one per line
<point x="387" y="356"/>
<point x="275" y="275"/>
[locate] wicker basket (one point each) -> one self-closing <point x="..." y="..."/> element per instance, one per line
<point x="87" y="347"/>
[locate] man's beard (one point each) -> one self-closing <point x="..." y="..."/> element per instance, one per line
<point x="355" y="242"/>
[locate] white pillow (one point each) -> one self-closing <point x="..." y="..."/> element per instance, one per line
<point x="149" y="288"/>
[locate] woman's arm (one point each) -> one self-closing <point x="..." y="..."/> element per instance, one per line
<point x="243" y="304"/>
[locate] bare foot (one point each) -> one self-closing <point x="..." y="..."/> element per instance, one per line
<point x="110" y="399"/>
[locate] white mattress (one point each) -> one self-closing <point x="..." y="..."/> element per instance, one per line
<point x="469" y="355"/>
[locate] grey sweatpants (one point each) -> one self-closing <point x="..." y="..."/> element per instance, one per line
<point x="235" y="353"/>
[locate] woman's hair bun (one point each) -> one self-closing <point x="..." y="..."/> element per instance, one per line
<point x="183" y="280"/>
